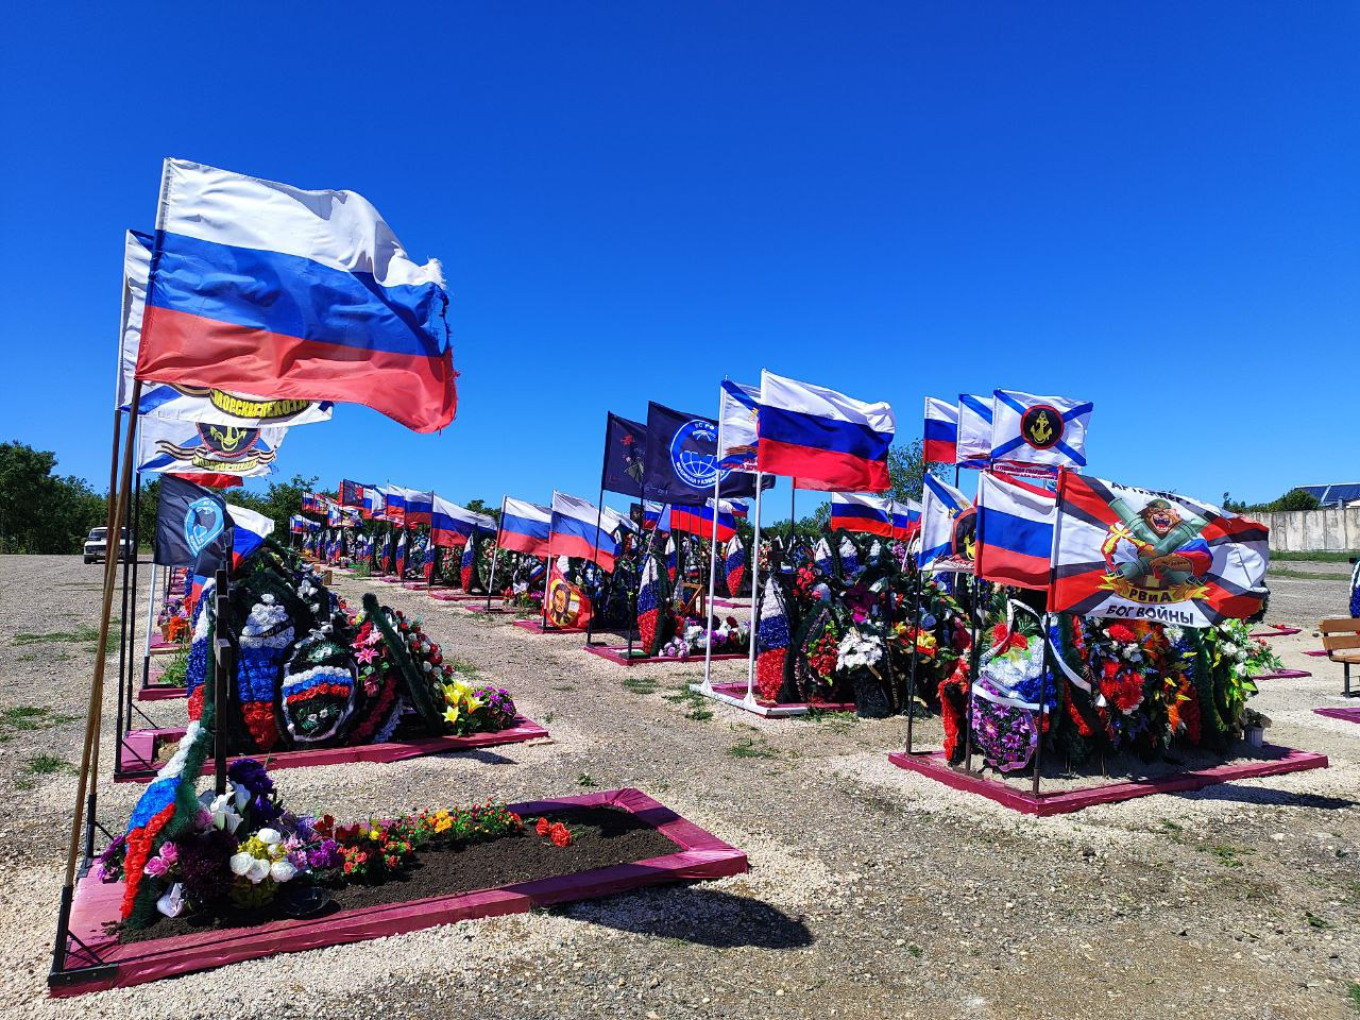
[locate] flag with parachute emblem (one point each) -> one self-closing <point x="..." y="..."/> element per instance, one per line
<point x="1144" y="555"/>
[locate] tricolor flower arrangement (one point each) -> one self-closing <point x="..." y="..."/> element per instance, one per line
<point x="772" y="642"/>
<point x="653" y="606"/>
<point x="264" y="641"/>
<point x="734" y="564"/>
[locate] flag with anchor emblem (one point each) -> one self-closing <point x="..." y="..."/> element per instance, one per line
<point x="178" y="447"/>
<point x="1038" y="435"/>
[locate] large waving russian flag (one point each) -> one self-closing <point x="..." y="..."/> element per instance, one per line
<point x="264" y="288"/>
<point x="452" y="525"/>
<point x="870" y="515"/>
<point x="573" y="531"/>
<point x="524" y="527"/>
<point x="826" y="440"/>
<point x="1015" y="524"/>
<point x="941" y="431"/>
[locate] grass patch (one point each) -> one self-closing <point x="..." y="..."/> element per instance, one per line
<point x="565" y="687"/>
<point x="640" y="684"/>
<point x="749" y="747"/>
<point x="916" y="951"/>
<point x="1316" y="557"/>
<point x="1353" y="994"/>
<point x="694" y="703"/>
<point x="1320" y="923"/>
<point x="48" y="765"/>
<point x="1306" y="575"/>
<point x="62" y="636"/>
<point x="177" y="672"/>
<point x="548" y="717"/>
<point x="26" y="718"/>
<point x="1228" y="856"/>
<point x="586" y="779"/>
<point x="464" y="668"/>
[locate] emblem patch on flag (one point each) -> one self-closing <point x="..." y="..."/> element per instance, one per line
<point x="1041" y="426"/>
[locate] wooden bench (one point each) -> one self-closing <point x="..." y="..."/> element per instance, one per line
<point x="1341" y="640"/>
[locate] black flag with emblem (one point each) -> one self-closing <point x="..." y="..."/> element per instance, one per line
<point x="193" y="528"/>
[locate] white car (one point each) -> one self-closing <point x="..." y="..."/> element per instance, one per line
<point x="96" y="546"/>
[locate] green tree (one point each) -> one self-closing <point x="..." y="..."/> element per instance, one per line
<point x="279" y="502"/>
<point x="478" y="506"/>
<point x="907" y="470"/>
<point x="40" y="511"/>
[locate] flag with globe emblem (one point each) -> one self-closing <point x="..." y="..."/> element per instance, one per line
<point x="681" y="462"/>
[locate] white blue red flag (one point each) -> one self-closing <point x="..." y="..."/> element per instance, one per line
<point x="574" y="532"/>
<point x="654" y="516"/>
<point x="249" y="530"/>
<point x="906" y="517"/>
<point x="394" y="500"/>
<point x="824" y="439"/>
<point x="259" y="287"/>
<point x="738" y="409"/>
<point x="419" y="506"/>
<point x="375" y="503"/>
<point x="941" y="444"/>
<point x="941" y="506"/>
<point x="186" y="403"/>
<point x="180" y="447"/>
<point x="1015" y="524"/>
<point x="1038" y="434"/>
<point x="452" y="525"/>
<point x="698" y="520"/>
<point x="975" y="430"/>
<point x="1137" y="554"/>
<point x="869" y="515"/>
<point x="524" y="527"/>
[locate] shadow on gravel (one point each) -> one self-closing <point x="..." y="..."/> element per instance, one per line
<point x="1273" y="798"/>
<point x="706" y="917"/>
<point x="482" y="757"/>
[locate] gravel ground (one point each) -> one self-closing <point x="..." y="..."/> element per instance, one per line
<point x="873" y="893"/>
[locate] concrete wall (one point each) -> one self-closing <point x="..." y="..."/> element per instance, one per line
<point x="1331" y="530"/>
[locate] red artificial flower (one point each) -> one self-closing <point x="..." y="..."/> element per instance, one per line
<point x="1122" y="632"/>
<point x="542" y="827"/>
<point x="560" y="835"/>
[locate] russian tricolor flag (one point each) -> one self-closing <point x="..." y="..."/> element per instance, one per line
<point x="941" y="431"/>
<point x="395" y="498"/>
<point x="826" y="440"/>
<point x="573" y="531"/>
<point x="906" y="520"/>
<point x="452" y="525"/>
<point x="249" y="530"/>
<point x="1015" y="523"/>
<point x="654" y="516"/>
<point x="524" y="527"/>
<point x="258" y="287"/>
<point x="698" y="520"/>
<point x="419" y="507"/>
<point x="869" y="515"/>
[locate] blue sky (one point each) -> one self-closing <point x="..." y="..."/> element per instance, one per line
<point x="1151" y="206"/>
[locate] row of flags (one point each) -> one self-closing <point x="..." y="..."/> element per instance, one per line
<point x="1019" y="432"/>
<point x="875" y="515"/>
<point x="1099" y="548"/>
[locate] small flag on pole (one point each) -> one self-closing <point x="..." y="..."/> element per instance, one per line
<point x="941" y="432"/>
<point x="1014" y="532"/>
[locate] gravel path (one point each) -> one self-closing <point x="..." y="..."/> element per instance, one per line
<point x="873" y="893"/>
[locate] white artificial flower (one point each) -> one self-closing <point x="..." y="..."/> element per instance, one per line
<point x="282" y="871"/>
<point x="258" y="870"/>
<point x="172" y="903"/>
<point x="223" y="815"/>
<point x="269" y="836"/>
<point x="241" y="862"/>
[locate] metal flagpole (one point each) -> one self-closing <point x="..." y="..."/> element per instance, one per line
<point x="915" y="657"/>
<point x="547" y="564"/>
<point x="974" y="658"/>
<point x="495" y="555"/>
<point x="595" y="556"/>
<point x="755" y="595"/>
<point x="1043" y="707"/>
<point x="150" y="618"/>
<point x="707" y="685"/>
<point x="637" y="574"/>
